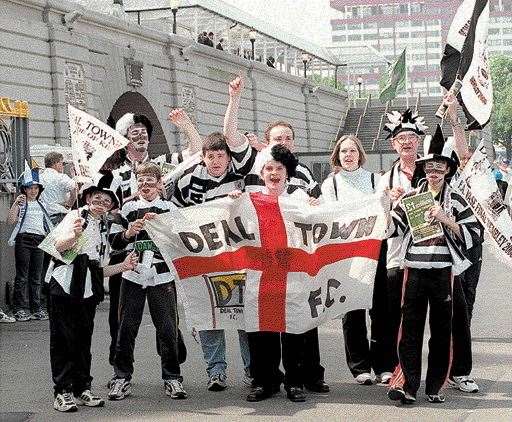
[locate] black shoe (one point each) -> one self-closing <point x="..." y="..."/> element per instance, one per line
<point x="258" y="394"/>
<point x="398" y="393"/>
<point x="295" y="394"/>
<point x="319" y="386"/>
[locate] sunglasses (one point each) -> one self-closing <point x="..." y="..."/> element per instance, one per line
<point x="102" y="203"/>
<point x="439" y="168"/>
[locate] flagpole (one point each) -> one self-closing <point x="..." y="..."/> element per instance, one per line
<point x="406" y="82"/>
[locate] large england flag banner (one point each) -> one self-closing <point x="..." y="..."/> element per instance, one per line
<point x="92" y="142"/>
<point x="478" y="186"/>
<point x="271" y="264"/>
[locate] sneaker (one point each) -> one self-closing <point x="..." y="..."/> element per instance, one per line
<point x="216" y="383"/>
<point x="6" y="318"/>
<point x="384" y="378"/>
<point x="435" y="398"/>
<point x="89" y="399"/>
<point x="119" y="389"/>
<point x="39" y="316"/>
<point x="174" y="389"/>
<point x="64" y="402"/>
<point x="398" y="393"/>
<point x="364" y="379"/>
<point x="247" y="379"/>
<point x="464" y="383"/>
<point x="22" y="316"/>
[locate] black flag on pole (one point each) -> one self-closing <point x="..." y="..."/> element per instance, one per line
<point x="465" y="58"/>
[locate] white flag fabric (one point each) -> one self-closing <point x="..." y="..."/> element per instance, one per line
<point x="465" y="58"/>
<point x="271" y="264"/>
<point x="478" y="187"/>
<point x="92" y="142"/>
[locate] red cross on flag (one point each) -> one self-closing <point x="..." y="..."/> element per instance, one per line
<point x="271" y="264"/>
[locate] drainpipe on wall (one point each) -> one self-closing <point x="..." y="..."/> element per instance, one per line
<point x="307" y="93"/>
<point x="53" y="68"/>
<point x="174" y="88"/>
<point x="254" y="99"/>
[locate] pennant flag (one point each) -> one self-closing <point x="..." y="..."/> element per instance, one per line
<point x="396" y="80"/>
<point x="478" y="187"/>
<point x="92" y="142"/>
<point x="271" y="264"/>
<point x="465" y="58"/>
<point x="29" y="176"/>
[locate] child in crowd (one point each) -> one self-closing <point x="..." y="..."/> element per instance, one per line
<point x="75" y="291"/>
<point x="150" y="279"/>
<point x="428" y="276"/>
<point x="210" y="179"/>
<point x="32" y="225"/>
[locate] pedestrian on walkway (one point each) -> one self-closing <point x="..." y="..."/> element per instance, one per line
<point x="75" y="291"/>
<point x="429" y="266"/>
<point x="32" y="225"/>
<point x="349" y="183"/>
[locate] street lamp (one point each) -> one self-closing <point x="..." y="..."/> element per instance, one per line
<point x="359" y="83"/>
<point x="305" y="60"/>
<point x="252" y="38"/>
<point x="175" y="5"/>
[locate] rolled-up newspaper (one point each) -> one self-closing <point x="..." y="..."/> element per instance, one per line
<point x="455" y="89"/>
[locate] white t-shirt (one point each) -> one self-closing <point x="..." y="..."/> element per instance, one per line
<point x="34" y="218"/>
<point x="57" y="187"/>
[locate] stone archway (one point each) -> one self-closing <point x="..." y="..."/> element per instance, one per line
<point x="133" y="102"/>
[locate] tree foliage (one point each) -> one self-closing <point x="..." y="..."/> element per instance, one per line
<point x="501" y="119"/>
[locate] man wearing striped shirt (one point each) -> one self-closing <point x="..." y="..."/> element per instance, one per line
<point x="429" y="266"/>
<point x="244" y="157"/>
<point x="151" y="280"/>
<point x="212" y="178"/>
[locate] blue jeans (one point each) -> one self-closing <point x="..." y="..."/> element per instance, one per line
<point x="213" y="343"/>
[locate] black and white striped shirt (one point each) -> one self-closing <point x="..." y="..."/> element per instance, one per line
<point x="152" y="269"/>
<point x="126" y="174"/>
<point x="196" y="186"/>
<point x="445" y="251"/>
<point x="244" y="158"/>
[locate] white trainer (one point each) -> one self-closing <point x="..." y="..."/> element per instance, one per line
<point x="384" y="378"/>
<point x="89" y="399"/>
<point x="65" y="402"/>
<point x="464" y="383"/>
<point x="364" y="379"/>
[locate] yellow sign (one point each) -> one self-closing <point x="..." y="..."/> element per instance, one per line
<point x="10" y="108"/>
<point x="228" y="289"/>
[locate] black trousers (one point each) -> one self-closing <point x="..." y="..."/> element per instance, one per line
<point x="114" y="287"/>
<point x="313" y="371"/>
<point x="395" y="277"/>
<point x="461" y="332"/>
<point x="71" y="328"/>
<point x="470" y="279"/>
<point x="162" y="307"/>
<point x="266" y="349"/>
<point x="357" y="348"/>
<point x="424" y="288"/>
<point x="362" y="355"/>
<point x="29" y="264"/>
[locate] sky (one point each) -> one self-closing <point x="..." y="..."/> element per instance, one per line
<point x="307" y="18"/>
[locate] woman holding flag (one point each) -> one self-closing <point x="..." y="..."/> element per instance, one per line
<point x="352" y="182"/>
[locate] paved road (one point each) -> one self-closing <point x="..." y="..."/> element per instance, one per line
<point x="26" y="394"/>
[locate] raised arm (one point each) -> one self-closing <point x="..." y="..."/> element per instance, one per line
<point x="233" y="137"/>
<point x="182" y="121"/>
<point x="459" y="136"/>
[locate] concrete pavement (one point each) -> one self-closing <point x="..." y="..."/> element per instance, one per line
<point x="26" y="388"/>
